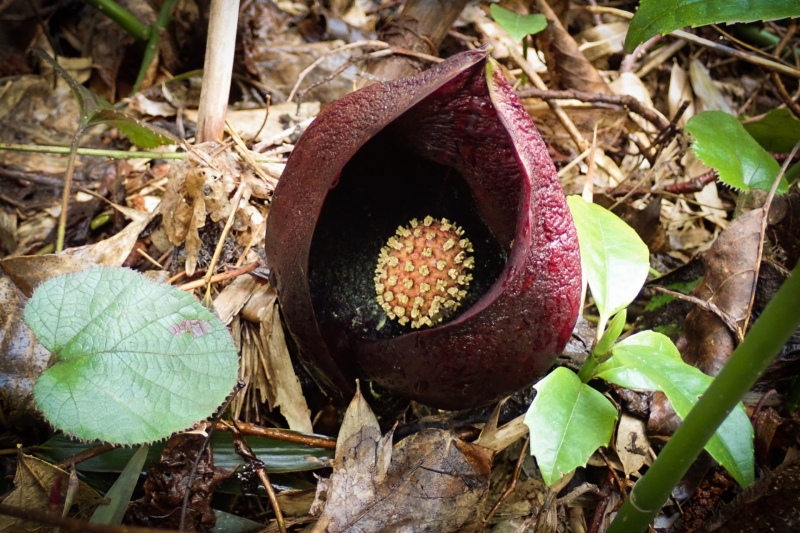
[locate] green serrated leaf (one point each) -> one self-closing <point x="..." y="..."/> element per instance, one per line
<point x="650" y="361"/>
<point x="518" y="26"/>
<point x="119" y="495"/>
<point x="658" y="17"/>
<point x="777" y="132"/>
<point x="611" y="334"/>
<point x="615" y="261"/>
<point x="140" y="133"/>
<point x="721" y="142"/>
<point x="568" y="421"/>
<point x="135" y="360"/>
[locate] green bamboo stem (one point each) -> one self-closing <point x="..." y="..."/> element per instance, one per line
<point x="152" y="42"/>
<point x="765" y="339"/>
<point x="111" y="154"/>
<point x="122" y="17"/>
<point x="96" y="152"/>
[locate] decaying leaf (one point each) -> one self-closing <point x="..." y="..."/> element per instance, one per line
<point x="567" y="65"/>
<point x="431" y="481"/>
<point x="24" y="358"/>
<point x="40" y="486"/>
<point x="168" y="481"/>
<point x="283" y="386"/>
<point x="631" y="444"/>
<point x="728" y="286"/>
<point x="770" y="504"/>
<point x="201" y="187"/>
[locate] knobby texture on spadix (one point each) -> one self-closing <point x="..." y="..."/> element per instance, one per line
<point x="451" y="143"/>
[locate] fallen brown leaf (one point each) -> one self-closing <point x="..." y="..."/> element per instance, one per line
<point x="37" y="484"/>
<point x="728" y="286"/>
<point x="430" y="481"/>
<point x="568" y="66"/>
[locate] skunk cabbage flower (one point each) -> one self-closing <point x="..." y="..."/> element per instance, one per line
<point x="419" y="238"/>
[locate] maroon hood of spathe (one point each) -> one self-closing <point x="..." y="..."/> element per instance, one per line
<point x="465" y="137"/>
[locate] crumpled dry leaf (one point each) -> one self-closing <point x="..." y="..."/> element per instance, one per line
<point x="630" y="84"/>
<point x="631" y="444"/>
<point x="37" y="484"/>
<point x="284" y="389"/>
<point x="568" y="66"/>
<point x="203" y="186"/>
<point x="249" y="122"/>
<point x="728" y="285"/>
<point x="29" y="271"/>
<point x="168" y="481"/>
<point x="23" y="361"/>
<point x="431" y="481"/>
<point x="708" y="95"/>
<point x="680" y="91"/>
<point x="603" y="40"/>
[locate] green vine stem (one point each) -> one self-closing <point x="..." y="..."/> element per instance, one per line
<point x="152" y="42"/>
<point x="122" y="17"/>
<point x="765" y="339"/>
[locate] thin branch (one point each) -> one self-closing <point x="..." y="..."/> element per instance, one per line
<point x="628" y="102"/>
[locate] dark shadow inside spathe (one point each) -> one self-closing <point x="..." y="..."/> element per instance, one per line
<point x="384" y="186"/>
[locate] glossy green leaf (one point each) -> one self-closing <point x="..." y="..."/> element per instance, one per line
<point x="778" y="131"/>
<point x="119" y="495"/>
<point x="721" y="142"/>
<point x="650" y="361"/>
<point x="658" y="17"/>
<point x="568" y="421"/>
<point x="278" y="456"/>
<point x="134" y="360"/>
<point x="518" y="26"/>
<point x="615" y="261"/>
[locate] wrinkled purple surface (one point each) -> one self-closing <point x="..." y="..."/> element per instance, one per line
<point x="510" y="337"/>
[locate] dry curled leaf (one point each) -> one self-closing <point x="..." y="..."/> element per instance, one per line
<point x="430" y="481"/>
<point x="40" y="486"/>
<point x="728" y="286"/>
<point x="567" y="65"/>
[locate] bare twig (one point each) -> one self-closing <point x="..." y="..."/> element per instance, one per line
<point x="628" y="102"/>
<point x="85" y="455"/>
<point x="380" y="45"/>
<point x="526" y="67"/>
<point x="512" y="484"/>
<point x="243" y="449"/>
<point x="196" y="284"/>
<point x="685" y="187"/>
<point x="206" y="440"/>
<point x="630" y="60"/>
<point x="55" y="519"/>
<point x="281" y="434"/>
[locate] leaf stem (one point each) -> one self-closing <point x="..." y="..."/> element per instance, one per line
<point x="123" y="17"/>
<point x="62" y="218"/>
<point x="765" y="339"/>
<point x="152" y="43"/>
